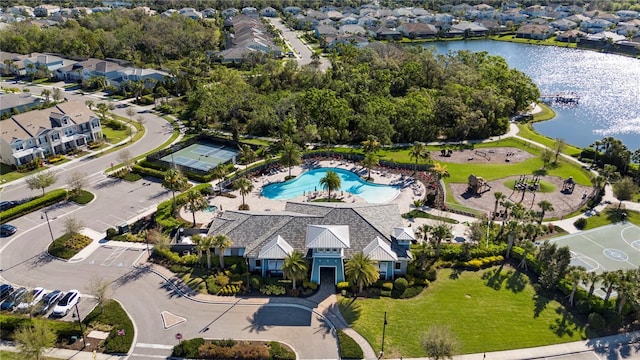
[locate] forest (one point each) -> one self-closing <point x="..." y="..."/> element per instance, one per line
<point x="398" y="94"/>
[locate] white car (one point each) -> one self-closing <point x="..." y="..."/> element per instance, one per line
<point x="36" y="296"/>
<point x="65" y="304"/>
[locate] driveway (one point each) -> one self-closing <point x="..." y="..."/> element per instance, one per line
<point x="301" y="50"/>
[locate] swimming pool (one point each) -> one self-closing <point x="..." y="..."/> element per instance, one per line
<point x="350" y="182"/>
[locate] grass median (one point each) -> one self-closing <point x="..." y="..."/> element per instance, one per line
<point x="488" y="310"/>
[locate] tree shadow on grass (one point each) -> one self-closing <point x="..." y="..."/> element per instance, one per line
<point x="541" y="303"/>
<point x="350" y="310"/>
<point x="455" y="274"/>
<point x="566" y="325"/>
<point x="495" y="278"/>
<point x="516" y="282"/>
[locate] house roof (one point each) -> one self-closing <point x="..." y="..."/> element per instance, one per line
<point x="379" y="250"/>
<point x="403" y="233"/>
<point x="276" y="248"/>
<point x="253" y="230"/>
<point x="327" y="236"/>
<point x="10" y="101"/>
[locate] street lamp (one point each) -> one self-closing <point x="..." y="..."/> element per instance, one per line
<point x="384" y="327"/>
<point x="84" y="341"/>
<point x="48" y="223"/>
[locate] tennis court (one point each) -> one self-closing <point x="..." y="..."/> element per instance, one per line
<point x="202" y="156"/>
<point x="607" y="248"/>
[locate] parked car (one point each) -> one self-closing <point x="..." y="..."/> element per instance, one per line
<point x="7" y="230"/>
<point x="14" y="299"/>
<point x="36" y="295"/>
<point x="6" y="205"/>
<point x="65" y="304"/>
<point x="48" y="301"/>
<point x="5" y="290"/>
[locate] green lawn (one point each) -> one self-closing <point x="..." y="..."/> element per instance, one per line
<point x="114" y="136"/>
<point x="611" y="216"/>
<point x="527" y="132"/>
<point x="486" y="311"/>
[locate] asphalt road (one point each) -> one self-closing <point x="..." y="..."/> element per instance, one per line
<point x="301" y="50"/>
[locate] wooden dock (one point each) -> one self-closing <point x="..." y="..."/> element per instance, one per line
<point x="565" y="98"/>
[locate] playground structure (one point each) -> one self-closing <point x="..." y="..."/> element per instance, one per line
<point x="446" y="153"/>
<point x="568" y="186"/>
<point x="523" y="184"/>
<point x="477" y="185"/>
<point x="483" y="155"/>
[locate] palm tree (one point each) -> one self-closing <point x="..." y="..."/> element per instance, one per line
<point x="247" y="155"/>
<point x="440" y="233"/>
<point x="220" y="172"/>
<point x="207" y="243"/>
<point x="596" y="148"/>
<point x="370" y="160"/>
<point x="591" y="278"/>
<point x="609" y="280"/>
<point x="295" y="267"/>
<point x="424" y="231"/>
<point x="440" y="171"/>
<point x="627" y="287"/>
<point x="512" y="230"/>
<point x="291" y="155"/>
<point x="89" y="104"/>
<point x="328" y="134"/>
<point x="331" y="181"/>
<point x="361" y="271"/>
<point x="418" y="152"/>
<point x="195" y="202"/>
<point x="197" y="240"/>
<point x="575" y="275"/>
<point x="245" y="187"/>
<point x="46" y="93"/>
<point x="221" y="242"/>
<point x="527" y="247"/>
<point x="371" y="145"/>
<point x="499" y="197"/>
<point x="544" y="207"/>
<point x="174" y="181"/>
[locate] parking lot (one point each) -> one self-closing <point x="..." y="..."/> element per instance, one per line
<point x="115" y="256"/>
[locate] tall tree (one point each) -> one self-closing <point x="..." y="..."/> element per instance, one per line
<point x="76" y="182"/>
<point x="100" y="289"/>
<point x="544" y="207"/>
<point x="418" y="152"/>
<point x="329" y="135"/>
<point x="244" y="186"/>
<point x="295" y="267"/>
<point x="558" y="146"/>
<point x="439" y="342"/>
<point x="247" y="155"/>
<point x="330" y="182"/>
<point x="41" y="180"/>
<point x="195" y="202"/>
<point x="33" y="340"/>
<point x="206" y="243"/>
<point x="590" y="279"/>
<point x="370" y="160"/>
<point x="221" y="242"/>
<point x="174" y="181"/>
<point x="220" y="172"/>
<point x="528" y="248"/>
<point x="576" y="275"/>
<point x="371" y="145"/>
<point x="72" y="225"/>
<point x="361" y="271"/>
<point x="440" y="171"/>
<point x="545" y="155"/>
<point x="624" y="190"/>
<point x="291" y="155"/>
<point x="198" y="241"/>
<point x="499" y="198"/>
<point x="439" y="233"/>
<point x="609" y="281"/>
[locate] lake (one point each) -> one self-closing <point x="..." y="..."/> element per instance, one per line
<point x="608" y="86"/>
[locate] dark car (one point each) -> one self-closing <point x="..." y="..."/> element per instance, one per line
<point x="5" y="290"/>
<point x="6" y="205"/>
<point x="48" y="301"/>
<point x="14" y="299"/>
<point x="7" y="230"/>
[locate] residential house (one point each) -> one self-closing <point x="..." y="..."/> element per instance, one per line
<point x="571" y="35"/>
<point x="45" y="10"/>
<point x="230" y="12"/>
<point x="10" y="63"/>
<point x="306" y="22"/>
<point x="190" y="13"/>
<point x="352" y="29"/>
<point x="595" y="25"/>
<point x="627" y="14"/>
<point x="334" y="15"/>
<point x="563" y="24"/>
<point x="346" y="39"/>
<point x="328" y="235"/>
<point x="66" y="126"/>
<point x="269" y="12"/>
<point x="578" y="18"/>
<point x="85" y="70"/>
<point x="612" y="18"/>
<point x="148" y="76"/>
<point x="21" y="10"/>
<point x="208" y="13"/>
<point x="250" y="11"/>
<point x="384" y="33"/>
<point x="605" y="36"/>
<point x="350" y="20"/>
<point x="293" y="10"/>
<point x="468" y="29"/>
<point x="418" y="30"/>
<point x="249" y="36"/>
<point x="513" y="15"/>
<point x="44" y="62"/>
<point x="534" y="31"/>
<point x="323" y="31"/>
<point x="534" y="11"/>
<point x="18" y="103"/>
<point x="367" y="21"/>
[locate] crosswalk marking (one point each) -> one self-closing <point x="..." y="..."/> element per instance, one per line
<point x="154" y="346"/>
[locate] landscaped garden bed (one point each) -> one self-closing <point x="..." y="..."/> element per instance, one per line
<point x="83" y="197"/>
<point x="200" y="348"/>
<point x="68" y="245"/>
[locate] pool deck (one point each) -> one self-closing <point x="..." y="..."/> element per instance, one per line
<point x="257" y="202"/>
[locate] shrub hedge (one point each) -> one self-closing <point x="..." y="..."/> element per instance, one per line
<point x="349" y="348"/>
<point x="9" y="323"/>
<point x="49" y="198"/>
<point x="83" y="197"/>
<point x="198" y="348"/>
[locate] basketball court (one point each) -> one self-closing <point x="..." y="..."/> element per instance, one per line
<point x="607" y="248"/>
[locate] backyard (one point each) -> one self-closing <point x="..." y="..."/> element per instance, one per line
<point x="501" y="311"/>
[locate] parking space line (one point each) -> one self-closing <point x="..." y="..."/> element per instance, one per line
<point x="113" y="256"/>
